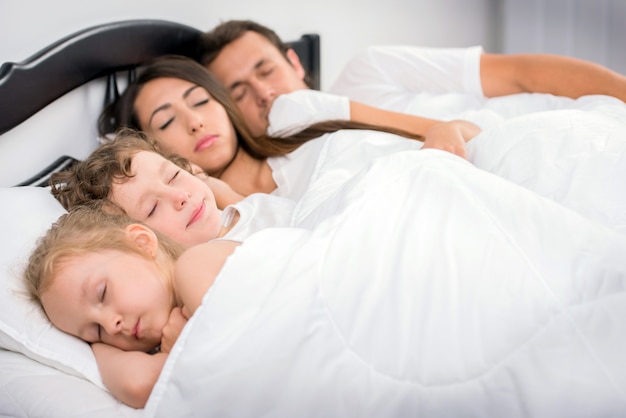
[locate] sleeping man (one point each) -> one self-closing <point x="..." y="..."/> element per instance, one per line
<point x="256" y="66"/>
<point x="567" y="145"/>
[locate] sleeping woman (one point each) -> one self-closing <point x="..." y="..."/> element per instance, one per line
<point x="182" y="105"/>
<point x="574" y="156"/>
<point x="455" y="235"/>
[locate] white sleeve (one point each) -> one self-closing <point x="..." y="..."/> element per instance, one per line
<point x="295" y="111"/>
<point x="379" y="71"/>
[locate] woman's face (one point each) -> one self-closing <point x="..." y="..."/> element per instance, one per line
<point x="187" y="121"/>
<point x="169" y="199"/>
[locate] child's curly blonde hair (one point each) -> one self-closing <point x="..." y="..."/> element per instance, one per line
<point x="92" y="179"/>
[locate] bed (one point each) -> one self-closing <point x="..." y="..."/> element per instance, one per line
<point x="56" y="95"/>
<point x="525" y="319"/>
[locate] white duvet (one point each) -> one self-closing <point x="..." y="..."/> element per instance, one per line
<point x="574" y="154"/>
<point x="418" y="287"/>
<point x="571" y="151"/>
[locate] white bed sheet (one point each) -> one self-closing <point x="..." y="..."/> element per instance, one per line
<point x="29" y="389"/>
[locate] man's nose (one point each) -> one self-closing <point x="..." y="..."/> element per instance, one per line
<point x="263" y="91"/>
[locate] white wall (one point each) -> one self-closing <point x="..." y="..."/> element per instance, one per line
<point x="345" y="25"/>
<point x="589" y="29"/>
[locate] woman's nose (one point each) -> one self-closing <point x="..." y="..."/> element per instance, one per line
<point x="195" y="123"/>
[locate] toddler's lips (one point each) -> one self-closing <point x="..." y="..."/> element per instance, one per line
<point x="136" y="331"/>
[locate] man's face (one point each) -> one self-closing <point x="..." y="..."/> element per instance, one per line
<point x="255" y="73"/>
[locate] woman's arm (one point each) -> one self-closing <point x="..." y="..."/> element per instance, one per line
<point x="224" y="194"/>
<point x="129" y="375"/>
<point x="543" y="73"/>
<point x="196" y="270"/>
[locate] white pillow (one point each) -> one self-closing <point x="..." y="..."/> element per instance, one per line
<point x="26" y="213"/>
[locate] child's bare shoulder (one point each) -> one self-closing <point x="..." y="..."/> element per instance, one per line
<point x="196" y="269"/>
<point x="214" y="250"/>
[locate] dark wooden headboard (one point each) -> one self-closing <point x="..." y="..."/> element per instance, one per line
<point x="104" y="51"/>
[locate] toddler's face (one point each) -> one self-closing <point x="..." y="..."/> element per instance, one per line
<point x="115" y="297"/>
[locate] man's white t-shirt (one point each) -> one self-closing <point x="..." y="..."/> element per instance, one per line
<point x="430" y="82"/>
<point x="437" y="83"/>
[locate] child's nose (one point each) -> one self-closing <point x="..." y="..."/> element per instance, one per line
<point x="113" y="324"/>
<point x="181" y="198"/>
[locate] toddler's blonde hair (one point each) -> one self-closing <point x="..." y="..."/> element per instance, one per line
<point x="83" y="230"/>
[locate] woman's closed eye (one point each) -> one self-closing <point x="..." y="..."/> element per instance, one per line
<point x="166" y="124"/>
<point x="201" y="102"/>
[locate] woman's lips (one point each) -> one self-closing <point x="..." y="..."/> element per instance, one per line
<point x="205" y="142"/>
<point x="197" y="214"/>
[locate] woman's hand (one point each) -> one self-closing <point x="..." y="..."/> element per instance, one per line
<point x="224" y="194"/>
<point x="451" y="136"/>
<point x="173" y="328"/>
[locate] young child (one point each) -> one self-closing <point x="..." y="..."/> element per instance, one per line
<point x="161" y="192"/>
<point x="114" y="282"/>
<point x="129" y="174"/>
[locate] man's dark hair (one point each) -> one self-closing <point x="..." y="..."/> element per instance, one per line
<point x="212" y="42"/>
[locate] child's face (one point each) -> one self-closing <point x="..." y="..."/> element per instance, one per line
<point x="111" y="296"/>
<point x="169" y="199"/>
<point x="187" y="121"/>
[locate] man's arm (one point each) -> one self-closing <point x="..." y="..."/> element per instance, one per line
<point x="295" y="111"/>
<point x="360" y="112"/>
<point x="542" y="73"/>
<point x="129" y="375"/>
<point x="451" y="136"/>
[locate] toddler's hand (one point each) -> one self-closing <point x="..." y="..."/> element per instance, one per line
<point x="172" y="329"/>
